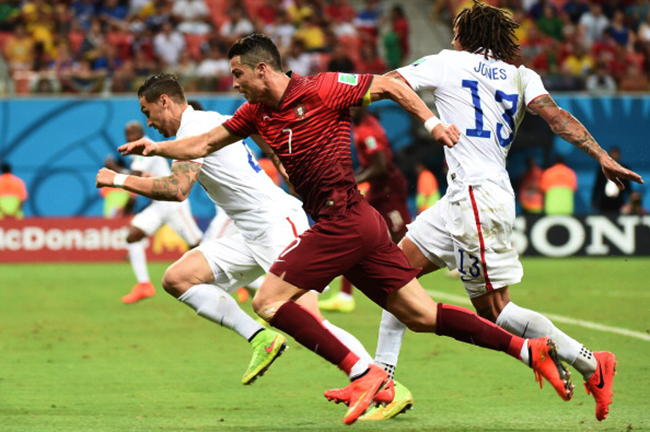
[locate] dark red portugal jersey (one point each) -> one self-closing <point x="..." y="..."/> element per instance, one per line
<point x="310" y="132"/>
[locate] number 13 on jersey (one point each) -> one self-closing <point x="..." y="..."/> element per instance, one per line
<point x="509" y="104"/>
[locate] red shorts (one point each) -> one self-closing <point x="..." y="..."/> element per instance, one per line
<point x="356" y="246"/>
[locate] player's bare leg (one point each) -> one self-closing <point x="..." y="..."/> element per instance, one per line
<point x="192" y="281"/>
<point x="136" y="240"/>
<point x="275" y="302"/>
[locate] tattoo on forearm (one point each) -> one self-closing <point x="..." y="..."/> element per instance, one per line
<point x="544" y="102"/>
<point x="178" y="184"/>
<point x="164" y="189"/>
<point x="571" y="130"/>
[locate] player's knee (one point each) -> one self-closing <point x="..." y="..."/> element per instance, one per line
<point x="173" y="282"/>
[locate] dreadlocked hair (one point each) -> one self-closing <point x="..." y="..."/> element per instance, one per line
<point x="482" y="28"/>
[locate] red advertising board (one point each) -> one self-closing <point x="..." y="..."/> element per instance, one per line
<point x="78" y="239"/>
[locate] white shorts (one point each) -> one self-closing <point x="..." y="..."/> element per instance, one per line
<point x="471" y="234"/>
<point x="242" y="260"/>
<point x="177" y="215"/>
<point x="220" y="226"/>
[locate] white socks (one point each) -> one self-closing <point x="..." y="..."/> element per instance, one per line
<point x="218" y="306"/>
<point x="349" y="341"/>
<point x="391" y="334"/>
<point x="138" y="260"/>
<point x="530" y="324"/>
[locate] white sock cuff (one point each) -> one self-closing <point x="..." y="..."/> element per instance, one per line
<point x="502" y="319"/>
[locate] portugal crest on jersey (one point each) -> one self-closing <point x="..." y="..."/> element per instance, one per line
<point x="300" y="111"/>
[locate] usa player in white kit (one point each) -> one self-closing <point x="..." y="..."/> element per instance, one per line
<point x="177" y="215"/>
<point x="471" y="226"/>
<point x="265" y="219"/>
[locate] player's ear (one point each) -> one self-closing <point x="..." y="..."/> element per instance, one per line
<point x="261" y="69"/>
<point x="164" y="100"/>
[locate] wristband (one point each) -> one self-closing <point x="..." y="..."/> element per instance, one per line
<point x="119" y="179"/>
<point x="431" y="123"/>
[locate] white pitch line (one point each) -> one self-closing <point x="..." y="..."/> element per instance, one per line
<point x="587" y="324"/>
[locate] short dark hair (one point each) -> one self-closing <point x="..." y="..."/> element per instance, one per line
<point x="255" y="49"/>
<point x="198" y="106"/>
<point x="6" y="168"/>
<point x="159" y="84"/>
<point x="482" y="28"/>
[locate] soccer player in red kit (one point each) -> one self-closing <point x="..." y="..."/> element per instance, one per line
<point x="388" y="186"/>
<point x="387" y="191"/>
<point x="306" y="122"/>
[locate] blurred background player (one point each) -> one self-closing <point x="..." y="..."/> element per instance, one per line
<point x="117" y="202"/>
<point x="13" y="194"/>
<point x="177" y="215"/>
<point x="428" y="192"/>
<point x="606" y="197"/>
<point x="387" y="190"/>
<point x="531" y="196"/>
<point x="559" y="184"/>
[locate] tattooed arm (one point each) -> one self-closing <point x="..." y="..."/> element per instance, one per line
<point x="175" y="187"/>
<point x="568" y="128"/>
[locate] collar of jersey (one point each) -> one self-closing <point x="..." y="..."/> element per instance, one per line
<point x="293" y="76"/>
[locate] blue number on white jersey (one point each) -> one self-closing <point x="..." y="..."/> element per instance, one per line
<point x="508" y="115"/>
<point x="251" y="159"/>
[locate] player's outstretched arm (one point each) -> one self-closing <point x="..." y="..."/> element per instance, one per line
<point x="182" y="149"/>
<point x="386" y="87"/>
<point x="568" y="128"/>
<point x="273" y="157"/>
<point x="175" y="187"/>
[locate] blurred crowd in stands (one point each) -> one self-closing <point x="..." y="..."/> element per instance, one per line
<point x="110" y="46"/>
<point x="598" y="46"/>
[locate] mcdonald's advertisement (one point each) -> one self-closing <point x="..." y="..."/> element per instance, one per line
<point x="79" y="239"/>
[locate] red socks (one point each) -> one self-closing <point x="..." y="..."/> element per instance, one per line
<point x="465" y="326"/>
<point x="310" y="333"/>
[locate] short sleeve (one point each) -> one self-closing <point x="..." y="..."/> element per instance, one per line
<point x="243" y="123"/>
<point x="426" y="73"/>
<point x="533" y="85"/>
<point x="340" y="91"/>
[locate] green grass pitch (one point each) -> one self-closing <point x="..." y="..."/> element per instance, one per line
<point x="73" y="358"/>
